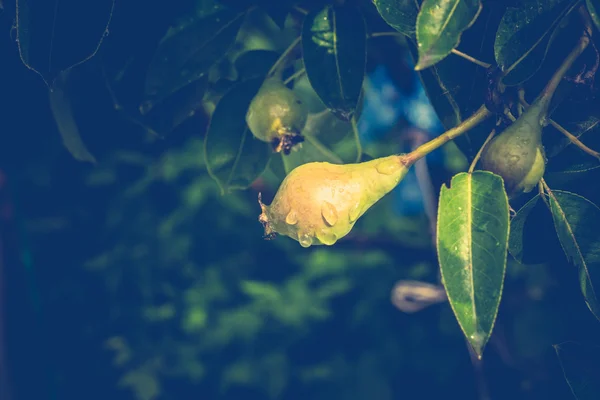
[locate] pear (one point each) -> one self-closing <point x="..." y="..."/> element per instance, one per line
<point x="318" y="203"/>
<point x="277" y="115"/>
<point x="517" y="154"/>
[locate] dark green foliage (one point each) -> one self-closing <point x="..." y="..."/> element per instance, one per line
<point x="155" y="281"/>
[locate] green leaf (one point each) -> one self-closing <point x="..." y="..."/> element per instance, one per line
<point x="399" y="14"/>
<point x="576" y="220"/>
<point x="65" y="121"/>
<point x="187" y="52"/>
<point x="532" y="238"/>
<point x="327" y="138"/>
<point x="581" y="366"/>
<point x="525" y="34"/>
<point x="55" y="37"/>
<point x="177" y="108"/>
<point x="334" y="42"/>
<point x="593" y="7"/>
<point x="472" y="239"/>
<point x="234" y="157"/>
<point x="255" y="63"/>
<point x="440" y="24"/>
<point x="564" y="156"/>
<point x="261" y="291"/>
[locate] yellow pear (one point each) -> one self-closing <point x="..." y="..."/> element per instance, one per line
<point x="319" y="202"/>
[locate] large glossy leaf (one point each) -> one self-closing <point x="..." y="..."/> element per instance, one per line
<point x="593" y="7"/>
<point x="581" y="366"/>
<point x="334" y="41"/>
<point x="472" y="239"/>
<point x="187" y="52"/>
<point x="399" y="14"/>
<point x="234" y="157"/>
<point x="524" y="35"/>
<point x="62" y="111"/>
<point x="55" y="35"/>
<point x="440" y="24"/>
<point x="532" y="239"/>
<point x="576" y="220"/>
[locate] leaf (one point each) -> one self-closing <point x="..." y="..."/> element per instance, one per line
<point x="55" y="35"/>
<point x="524" y="36"/>
<point x="440" y="24"/>
<point x="177" y="108"/>
<point x="581" y="366"/>
<point x="277" y="11"/>
<point x="65" y="121"/>
<point x="255" y="63"/>
<point x="472" y="239"/>
<point x="334" y="42"/>
<point x="532" y="237"/>
<point x="187" y="52"/>
<point x="593" y="7"/>
<point x="399" y="14"/>
<point x="234" y="157"/>
<point x="261" y="291"/>
<point x="576" y="220"/>
<point x="565" y="157"/>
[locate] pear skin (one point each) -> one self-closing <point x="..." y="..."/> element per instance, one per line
<point x="318" y="203"/>
<point x="275" y="111"/>
<point x="517" y="154"/>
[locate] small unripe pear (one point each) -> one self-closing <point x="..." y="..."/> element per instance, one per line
<point x="319" y="203"/>
<point x="277" y="115"/>
<point x="517" y="154"/>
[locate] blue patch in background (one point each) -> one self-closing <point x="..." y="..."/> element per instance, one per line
<point x="384" y="105"/>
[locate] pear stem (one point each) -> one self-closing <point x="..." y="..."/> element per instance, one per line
<point x="478" y="155"/>
<point x="478" y="117"/>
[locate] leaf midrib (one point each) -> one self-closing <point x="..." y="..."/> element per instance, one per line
<point x="470" y="244"/>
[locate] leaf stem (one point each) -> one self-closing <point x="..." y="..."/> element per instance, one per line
<point x="478" y="117"/>
<point x="454" y="51"/>
<point x="574" y="139"/>
<point x="283" y="56"/>
<point x="300" y="10"/>
<point x="295" y="75"/>
<point x="472" y="59"/>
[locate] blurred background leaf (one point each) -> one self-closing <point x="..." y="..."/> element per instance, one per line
<point x="54" y="36"/>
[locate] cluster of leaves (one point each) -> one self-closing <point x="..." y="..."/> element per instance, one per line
<point x="207" y="63"/>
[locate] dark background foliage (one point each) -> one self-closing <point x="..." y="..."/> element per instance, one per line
<point x="134" y="277"/>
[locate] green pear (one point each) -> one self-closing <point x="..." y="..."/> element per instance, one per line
<point x="276" y="115"/>
<point x="517" y="154"/>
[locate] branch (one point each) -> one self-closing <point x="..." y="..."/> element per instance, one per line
<point x="478" y="117"/>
